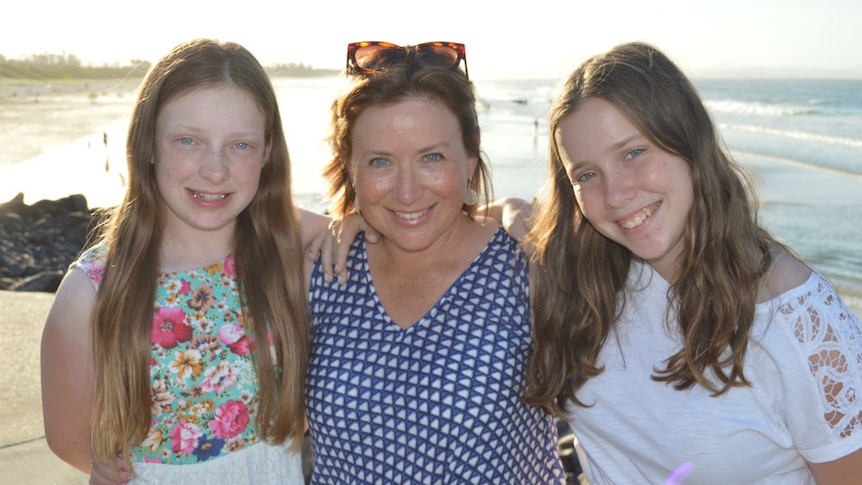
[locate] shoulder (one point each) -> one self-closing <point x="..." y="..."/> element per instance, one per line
<point x="69" y="315"/>
<point x="313" y="226"/>
<point x="92" y="263"/>
<point x="786" y="273"/>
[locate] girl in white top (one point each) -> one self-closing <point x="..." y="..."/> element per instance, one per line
<point x="675" y="334"/>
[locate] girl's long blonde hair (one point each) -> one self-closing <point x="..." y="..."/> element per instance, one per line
<point x="267" y="251"/>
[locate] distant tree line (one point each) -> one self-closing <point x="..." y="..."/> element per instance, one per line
<point x="68" y="66"/>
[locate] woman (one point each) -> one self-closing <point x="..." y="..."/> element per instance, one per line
<point x="180" y="340"/>
<point x="674" y="333"/>
<point x="416" y="371"/>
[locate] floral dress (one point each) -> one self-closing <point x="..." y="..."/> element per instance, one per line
<point x="204" y="385"/>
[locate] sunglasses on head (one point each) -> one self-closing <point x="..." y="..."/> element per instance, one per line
<point x="368" y="57"/>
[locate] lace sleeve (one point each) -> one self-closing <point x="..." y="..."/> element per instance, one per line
<point x="831" y="336"/>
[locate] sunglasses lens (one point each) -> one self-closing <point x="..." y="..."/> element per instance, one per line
<point x="376" y="57"/>
<point x="367" y="57"/>
<point x="438" y="55"/>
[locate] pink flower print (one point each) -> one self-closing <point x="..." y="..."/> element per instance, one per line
<point x="185" y="287"/>
<point x="234" y="337"/>
<point x="202" y="299"/>
<point x="217" y="379"/>
<point x="230" y="334"/>
<point x="230" y="419"/>
<point x="169" y="327"/>
<point x="95" y="276"/>
<point x="229" y="266"/>
<point x="184" y="437"/>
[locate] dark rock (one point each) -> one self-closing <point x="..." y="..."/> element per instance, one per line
<point x="46" y="281"/>
<point x="39" y="241"/>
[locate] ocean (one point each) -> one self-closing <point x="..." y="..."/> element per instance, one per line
<point x="801" y="139"/>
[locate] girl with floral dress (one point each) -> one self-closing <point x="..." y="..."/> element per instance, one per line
<point x="176" y="348"/>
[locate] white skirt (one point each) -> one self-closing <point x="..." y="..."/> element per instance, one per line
<point x="259" y="464"/>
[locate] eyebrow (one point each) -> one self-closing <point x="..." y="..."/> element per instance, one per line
<point x="625" y="141"/>
<point x="576" y="165"/>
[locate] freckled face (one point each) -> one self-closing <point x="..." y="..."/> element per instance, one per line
<point x="410" y="171"/>
<point x="210" y="149"/>
<point x="630" y="190"/>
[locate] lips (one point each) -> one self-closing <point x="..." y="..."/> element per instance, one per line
<point x="639" y="217"/>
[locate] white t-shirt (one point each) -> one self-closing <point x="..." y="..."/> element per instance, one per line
<point x="804" y="362"/>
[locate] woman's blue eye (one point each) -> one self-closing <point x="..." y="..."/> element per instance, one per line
<point x="186" y="140"/>
<point x="433" y="157"/>
<point x="379" y="162"/>
<point x="242" y="145"/>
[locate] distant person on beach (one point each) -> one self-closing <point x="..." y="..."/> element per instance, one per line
<point x="674" y="333"/>
<point x="417" y="363"/>
<point x="107" y="153"/>
<point x="179" y="342"/>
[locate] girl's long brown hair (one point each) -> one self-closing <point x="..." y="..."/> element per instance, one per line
<point x="267" y="251"/>
<point x="581" y="274"/>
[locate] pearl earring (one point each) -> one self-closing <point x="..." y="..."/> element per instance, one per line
<point x="470" y="197"/>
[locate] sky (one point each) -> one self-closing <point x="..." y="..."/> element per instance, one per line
<point x="529" y="38"/>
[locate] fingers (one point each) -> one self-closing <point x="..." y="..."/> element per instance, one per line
<point x="321" y="246"/>
<point x="101" y="474"/>
<point x="340" y="248"/>
<point x="335" y="247"/>
<point x="327" y="240"/>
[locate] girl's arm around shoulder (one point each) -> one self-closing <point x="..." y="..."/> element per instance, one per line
<point x="67" y="373"/>
<point x="513" y="213"/>
<point x="317" y="241"/>
<point x="314" y="226"/>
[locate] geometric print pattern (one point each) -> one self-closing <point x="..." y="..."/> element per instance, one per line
<point x="438" y="402"/>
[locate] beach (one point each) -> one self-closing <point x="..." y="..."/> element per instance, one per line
<point x="35" y="118"/>
<point x="59" y="132"/>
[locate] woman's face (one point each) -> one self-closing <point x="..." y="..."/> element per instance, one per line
<point x="410" y="170"/>
<point x="630" y="190"/>
<point x="210" y="149"/>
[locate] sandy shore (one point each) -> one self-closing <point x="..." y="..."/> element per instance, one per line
<point x="24" y="455"/>
<point x="37" y="115"/>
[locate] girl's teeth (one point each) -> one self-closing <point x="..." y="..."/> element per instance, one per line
<point x="209" y="197"/>
<point x="638" y="219"/>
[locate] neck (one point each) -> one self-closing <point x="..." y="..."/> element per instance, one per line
<point x="179" y="254"/>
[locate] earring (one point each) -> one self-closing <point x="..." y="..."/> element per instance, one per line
<point x="470" y="197"/>
<point x="355" y="199"/>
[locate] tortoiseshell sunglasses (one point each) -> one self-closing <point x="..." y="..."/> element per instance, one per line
<point x="367" y="57"/>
